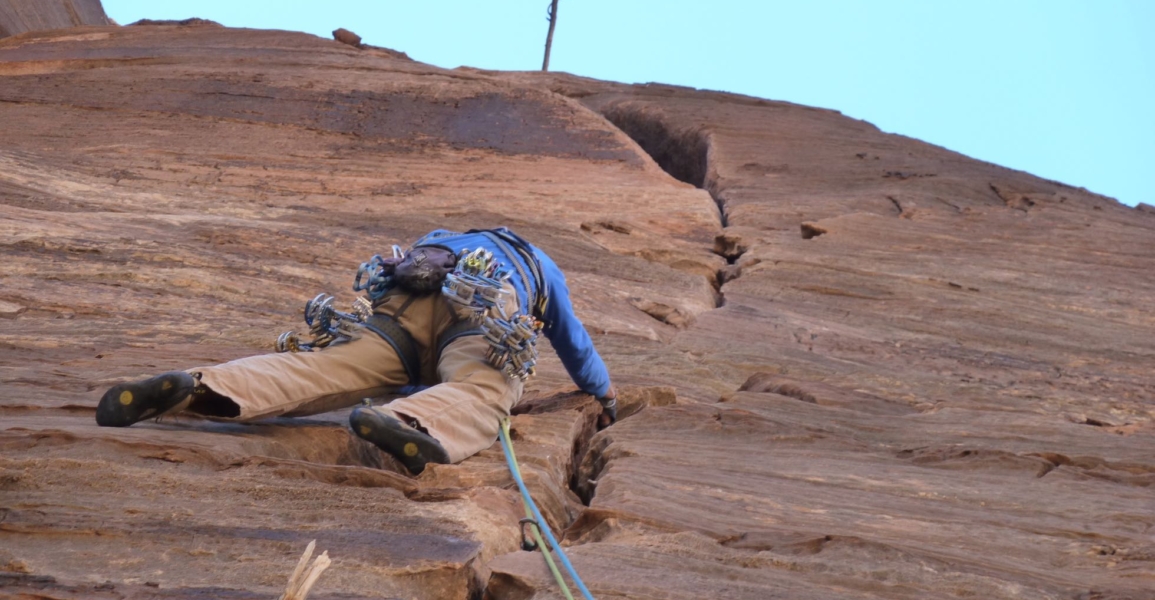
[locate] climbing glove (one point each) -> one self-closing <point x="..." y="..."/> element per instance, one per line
<point x="609" y="404"/>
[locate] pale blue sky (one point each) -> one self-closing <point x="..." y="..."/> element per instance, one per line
<point x="1059" y="88"/>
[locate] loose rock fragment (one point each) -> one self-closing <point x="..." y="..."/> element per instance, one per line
<point x="729" y="245"/>
<point x="347" y="37"/>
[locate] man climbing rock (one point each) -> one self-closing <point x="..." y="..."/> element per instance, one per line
<point x="458" y="312"/>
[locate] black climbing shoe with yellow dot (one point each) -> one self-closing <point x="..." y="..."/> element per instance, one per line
<point x="413" y="448"/>
<point x="127" y="403"/>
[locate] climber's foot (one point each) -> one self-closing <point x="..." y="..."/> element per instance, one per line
<point x="127" y="403"/>
<point x="412" y="447"/>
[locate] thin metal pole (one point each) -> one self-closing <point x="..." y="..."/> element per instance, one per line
<point x="552" y="18"/>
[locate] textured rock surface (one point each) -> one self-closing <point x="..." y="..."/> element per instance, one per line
<point x="854" y="364"/>
<point x="21" y="16"/>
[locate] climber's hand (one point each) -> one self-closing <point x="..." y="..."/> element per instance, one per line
<point x="609" y="404"/>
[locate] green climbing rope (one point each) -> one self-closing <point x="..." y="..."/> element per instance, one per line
<point x="540" y="526"/>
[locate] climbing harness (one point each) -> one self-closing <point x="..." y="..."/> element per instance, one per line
<point x="328" y="325"/>
<point x="390" y="330"/>
<point x="477" y="284"/>
<point x="533" y="517"/>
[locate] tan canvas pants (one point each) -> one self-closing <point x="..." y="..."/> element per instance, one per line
<point x="462" y="410"/>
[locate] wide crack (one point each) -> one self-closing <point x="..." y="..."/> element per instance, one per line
<point x="580" y="443"/>
<point x="684" y="153"/>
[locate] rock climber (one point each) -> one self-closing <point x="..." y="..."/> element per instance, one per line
<point x="415" y="334"/>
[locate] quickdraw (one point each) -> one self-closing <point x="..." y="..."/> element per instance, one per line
<point x="512" y="344"/>
<point x="478" y="284"/>
<point x="326" y="324"/>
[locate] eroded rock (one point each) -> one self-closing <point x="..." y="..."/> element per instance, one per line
<point x="11" y="310"/>
<point x="22" y="16"/>
<point x="927" y="392"/>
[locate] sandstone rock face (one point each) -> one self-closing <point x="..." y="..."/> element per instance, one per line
<point x="20" y="16"/>
<point x="852" y="364"/>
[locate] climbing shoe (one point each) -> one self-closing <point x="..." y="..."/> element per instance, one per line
<point x="127" y="403"/>
<point x="412" y="447"/>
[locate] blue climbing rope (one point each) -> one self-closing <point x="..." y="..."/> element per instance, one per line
<point x="542" y="526"/>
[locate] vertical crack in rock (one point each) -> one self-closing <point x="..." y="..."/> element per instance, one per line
<point x="589" y="469"/>
<point x="581" y="448"/>
<point x="684" y="153"/>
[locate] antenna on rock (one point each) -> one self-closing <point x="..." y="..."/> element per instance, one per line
<point x="551" y="16"/>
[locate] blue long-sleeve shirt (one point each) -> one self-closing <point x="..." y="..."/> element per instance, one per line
<point x="542" y="292"/>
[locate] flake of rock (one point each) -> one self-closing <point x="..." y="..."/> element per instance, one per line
<point x="10" y="310"/>
<point x="729" y="245"/>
